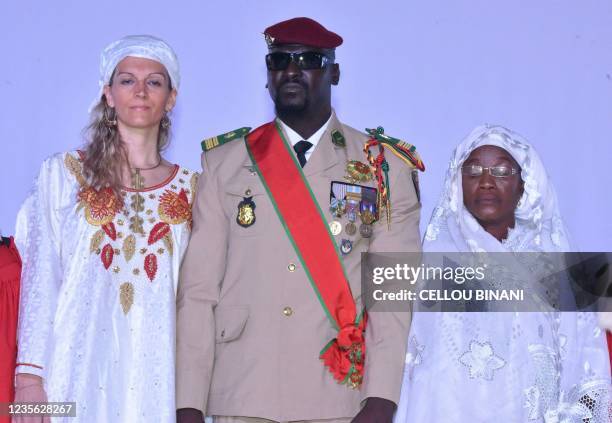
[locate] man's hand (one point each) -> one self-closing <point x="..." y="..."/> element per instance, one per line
<point x="189" y="415"/>
<point x="376" y="410"/>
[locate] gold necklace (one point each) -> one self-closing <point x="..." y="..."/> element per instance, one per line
<point x="137" y="199"/>
<point x="137" y="178"/>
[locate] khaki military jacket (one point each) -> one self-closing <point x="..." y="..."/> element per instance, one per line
<point x="250" y="327"/>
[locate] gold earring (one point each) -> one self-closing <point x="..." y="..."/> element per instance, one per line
<point x="165" y="121"/>
<point x="110" y="121"/>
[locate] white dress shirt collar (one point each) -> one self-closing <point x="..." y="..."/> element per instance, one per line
<point x="293" y="137"/>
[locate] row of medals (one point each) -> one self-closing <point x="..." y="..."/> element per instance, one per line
<point x="352" y="207"/>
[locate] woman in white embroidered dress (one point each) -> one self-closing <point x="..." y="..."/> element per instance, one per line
<point x="102" y="236"/>
<point x="502" y="367"/>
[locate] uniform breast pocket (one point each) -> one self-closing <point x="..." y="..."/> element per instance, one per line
<point x="248" y="209"/>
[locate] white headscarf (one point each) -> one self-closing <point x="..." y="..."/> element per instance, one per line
<point x="538" y="224"/>
<point x="143" y="46"/>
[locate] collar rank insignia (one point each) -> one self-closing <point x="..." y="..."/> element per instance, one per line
<point x="338" y="139"/>
<point x="246" y="212"/>
<point x="210" y="143"/>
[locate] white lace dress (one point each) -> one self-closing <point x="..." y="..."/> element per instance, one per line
<point x="521" y="367"/>
<point x="97" y="312"/>
<point x="505" y="367"/>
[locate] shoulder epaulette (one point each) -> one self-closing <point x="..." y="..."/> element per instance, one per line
<point x="405" y="151"/>
<point x="210" y="143"/>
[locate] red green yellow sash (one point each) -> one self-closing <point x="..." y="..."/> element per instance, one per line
<point x="308" y="231"/>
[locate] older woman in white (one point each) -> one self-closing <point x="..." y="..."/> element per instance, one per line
<point x="102" y="235"/>
<point x="546" y="366"/>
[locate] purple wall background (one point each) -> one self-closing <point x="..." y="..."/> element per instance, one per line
<point x="426" y="71"/>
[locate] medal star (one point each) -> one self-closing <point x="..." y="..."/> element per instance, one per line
<point x="481" y="360"/>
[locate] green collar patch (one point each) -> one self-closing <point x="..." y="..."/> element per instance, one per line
<point x="338" y="138"/>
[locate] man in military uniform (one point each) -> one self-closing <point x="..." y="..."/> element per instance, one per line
<point x="270" y="322"/>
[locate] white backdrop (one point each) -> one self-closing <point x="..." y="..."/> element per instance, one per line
<point x="427" y="71"/>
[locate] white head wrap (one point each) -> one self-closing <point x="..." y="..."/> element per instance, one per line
<point x="538" y="224"/>
<point x="143" y="46"/>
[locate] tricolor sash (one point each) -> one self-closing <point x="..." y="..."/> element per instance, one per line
<point x="309" y="234"/>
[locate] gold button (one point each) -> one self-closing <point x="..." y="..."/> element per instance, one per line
<point x="287" y="311"/>
<point x="247" y="192"/>
<point x="291" y="267"/>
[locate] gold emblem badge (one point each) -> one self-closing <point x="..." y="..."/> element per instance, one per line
<point x="269" y="40"/>
<point x="246" y="212"/>
<point x="358" y="172"/>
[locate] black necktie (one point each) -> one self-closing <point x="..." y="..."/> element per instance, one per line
<point x="301" y="148"/>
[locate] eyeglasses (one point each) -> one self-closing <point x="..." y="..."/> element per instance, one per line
<point x="497" y="171"/>
<point x="305" y="60"/>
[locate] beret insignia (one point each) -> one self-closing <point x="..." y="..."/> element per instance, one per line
<point x="303" y="31"/>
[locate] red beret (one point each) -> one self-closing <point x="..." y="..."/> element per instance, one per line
<point x="301" y="31"/>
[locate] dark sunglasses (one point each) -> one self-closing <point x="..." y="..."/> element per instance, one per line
<point x="305" y="60"/>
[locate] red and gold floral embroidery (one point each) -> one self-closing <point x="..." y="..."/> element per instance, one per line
<point x="107" y="255"/>
<point x="126" y="296"/>
<point x="129" y="247"/>
<point x="100" y="206"/>
<point x="109" y="229"/>
<point x="158" y="232"/>
<point x="150" y="266"/>
<point x="174" y="208"/>
<point x="75" y="167"/>
<point x="96" y="240"/>
<point x="168" y="243"/>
